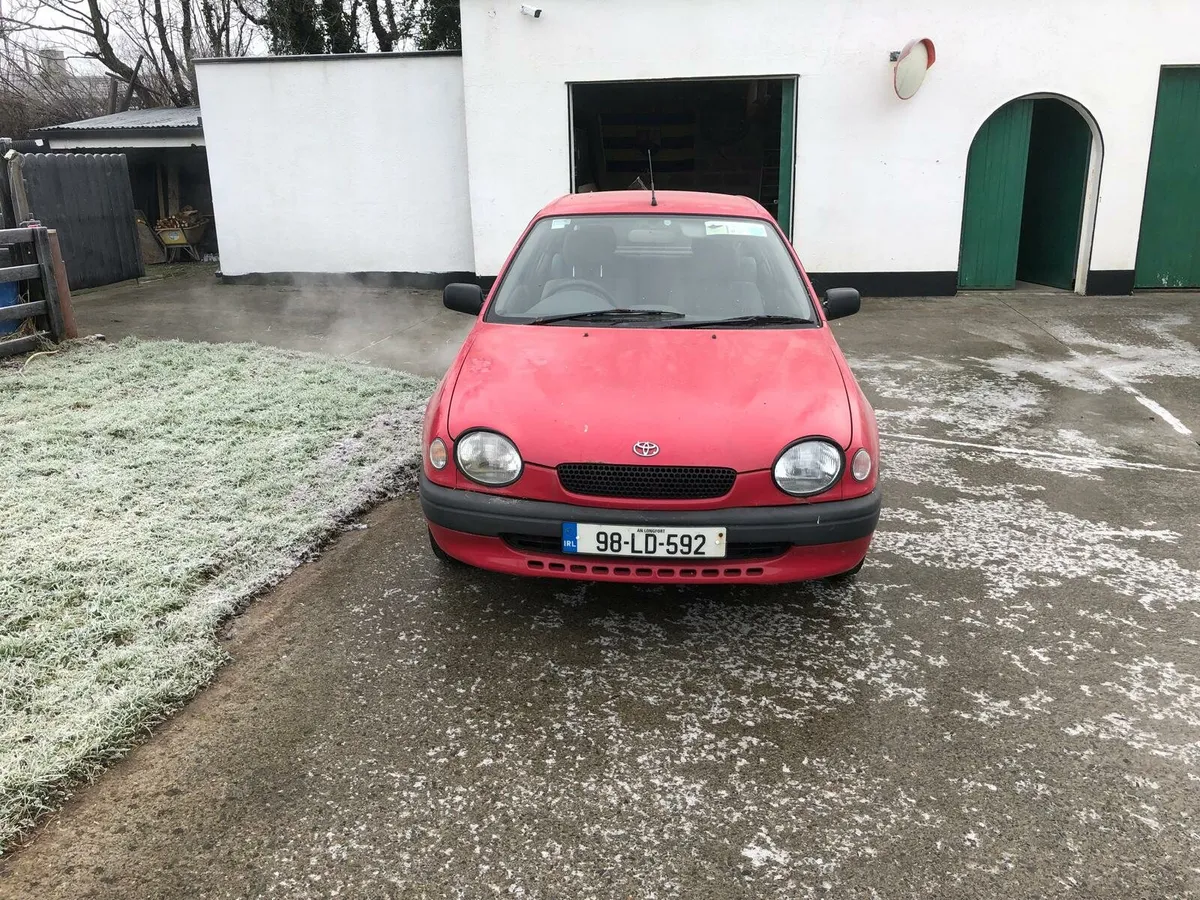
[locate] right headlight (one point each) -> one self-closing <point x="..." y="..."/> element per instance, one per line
<point x="488" y="458"/>
<point x="808" y="467"/>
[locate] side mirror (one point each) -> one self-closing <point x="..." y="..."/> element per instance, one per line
<point x="840" y="302"/>
<point x="463" y="298"/>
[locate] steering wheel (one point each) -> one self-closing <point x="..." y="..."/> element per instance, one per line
<point x="582" y="284"/>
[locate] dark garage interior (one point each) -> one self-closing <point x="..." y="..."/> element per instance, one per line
<point x="725" y="136"/>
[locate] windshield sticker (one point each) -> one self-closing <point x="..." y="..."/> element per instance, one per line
<point x="559" y="223"/>
<point x="743" y="229"/>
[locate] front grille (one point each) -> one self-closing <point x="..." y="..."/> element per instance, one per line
<point x="536" y="543"/>
<point x="646" y="482"/>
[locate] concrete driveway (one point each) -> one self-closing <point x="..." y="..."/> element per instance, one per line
<point x="403" y="329"/>
<point x="1006" y="703"/>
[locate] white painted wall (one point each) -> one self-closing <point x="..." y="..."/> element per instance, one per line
<point x="879" y="181"/>
<point x="338" y="164"/>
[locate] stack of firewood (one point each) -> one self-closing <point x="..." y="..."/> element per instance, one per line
<point x="185" y="218"/>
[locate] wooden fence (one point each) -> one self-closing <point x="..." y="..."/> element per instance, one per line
<point x="87" y="199"/>
<point x="30" y="265"/>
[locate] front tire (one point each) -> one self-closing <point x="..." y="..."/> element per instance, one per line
<point x="847" y="576"/>
<point x="442" y="556"/>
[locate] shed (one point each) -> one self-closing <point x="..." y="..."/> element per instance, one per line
<point x="168" y="162"/>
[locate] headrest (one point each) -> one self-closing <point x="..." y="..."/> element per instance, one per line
<point x="589" y="247"/>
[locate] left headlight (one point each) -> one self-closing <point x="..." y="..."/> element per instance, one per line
<point x="488" y="458"/>
<point x="808" y="467"/>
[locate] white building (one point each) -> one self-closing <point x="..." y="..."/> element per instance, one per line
<point x="1026" y="155"/>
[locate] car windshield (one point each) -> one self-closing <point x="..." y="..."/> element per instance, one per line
<point x="632" y="271"/>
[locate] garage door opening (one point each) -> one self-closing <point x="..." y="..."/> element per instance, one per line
<point x="728" y="137"/>
<point x="1029" y="198"/>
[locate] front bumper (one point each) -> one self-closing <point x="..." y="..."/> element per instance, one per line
<point x="779" y="543"/>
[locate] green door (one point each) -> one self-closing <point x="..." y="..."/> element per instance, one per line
<point x="1169" y="248"/>
<point x="994" y="198"/>
<point x="1060" y="146"/>
<point x="787" y="155"/>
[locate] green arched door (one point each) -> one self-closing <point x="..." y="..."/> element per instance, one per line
<point x="995" y="198"/>
<point x="1023" y="203"/>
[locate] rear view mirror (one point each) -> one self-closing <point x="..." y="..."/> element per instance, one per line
<point x="463" y="298"/>
<point x="841" y="302"/>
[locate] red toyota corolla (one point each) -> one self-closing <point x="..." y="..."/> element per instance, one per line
<point x="651" y="394"/>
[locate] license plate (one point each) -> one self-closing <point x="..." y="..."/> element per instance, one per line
<point x="637" y="540"/>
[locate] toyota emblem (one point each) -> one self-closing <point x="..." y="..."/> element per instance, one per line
<point x="645" y="448"/>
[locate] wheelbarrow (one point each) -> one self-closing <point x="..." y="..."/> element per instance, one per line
<point x="183" y="239"/>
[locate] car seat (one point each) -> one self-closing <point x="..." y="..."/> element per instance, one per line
<point x="589" y="254"/>
<point x="719" y="283"/>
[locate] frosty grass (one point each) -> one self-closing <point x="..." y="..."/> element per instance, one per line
<point x="146" y="490"/>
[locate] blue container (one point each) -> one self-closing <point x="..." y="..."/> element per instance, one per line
<point x="8" y="297"/>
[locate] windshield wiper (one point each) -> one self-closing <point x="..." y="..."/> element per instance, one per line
<point x="619" y="314"/>
<point x="743" y="321"/>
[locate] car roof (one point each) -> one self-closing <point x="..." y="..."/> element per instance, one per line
<point x="673" y="203"/>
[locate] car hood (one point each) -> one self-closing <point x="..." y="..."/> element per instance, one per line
<point x="716" y="398"/>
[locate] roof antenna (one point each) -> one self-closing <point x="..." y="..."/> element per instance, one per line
<point x="653" y="193"/>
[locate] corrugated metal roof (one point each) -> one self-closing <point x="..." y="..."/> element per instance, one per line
<point x="188" y="117"/>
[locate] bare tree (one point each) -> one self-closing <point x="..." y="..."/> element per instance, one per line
<point x="425" y="24"/>
<point x="335" y="26"/>
<point x="37" y="89"/>
<point x="308" y="26"/>
<point x="167" y="34"/>
<point x="389" y="28"/>
<point x="150" y="45"/>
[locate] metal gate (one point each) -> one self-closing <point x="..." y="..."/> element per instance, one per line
<point x="88" y="199"/>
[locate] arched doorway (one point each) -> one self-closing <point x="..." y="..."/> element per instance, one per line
<point x="1030" y="195"/>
